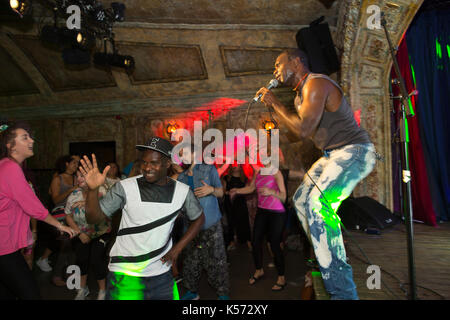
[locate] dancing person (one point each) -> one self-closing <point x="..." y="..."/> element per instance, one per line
<point x="207" y="250"/>
<point x="236" y="209"/>
<point x="91" y="244"/>
<point x="136" y="169"/>
<point x="325" y="116"/>
<point x="269" y="222"/>
<point x="142" y="255"/>
<point x="113" y="175"/>
<point x="62" y="185"/>
<point x="18" y="203"/>
<point x="178" y="228"/>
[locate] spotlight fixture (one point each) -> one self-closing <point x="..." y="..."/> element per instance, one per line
<point x="113" y="59"/>
<point x="85" y="40"/>
<point x="76" y="56"/>
<point x="61" y="36"/>
<point x="21" y="7"/>
<point x="50" y="34"/>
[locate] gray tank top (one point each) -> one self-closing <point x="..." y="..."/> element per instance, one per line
<point x="62" y="189"/>
<point x="335" y="129"/>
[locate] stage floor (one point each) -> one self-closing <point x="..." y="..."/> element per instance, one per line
<point x="389" y="251"/>
<point x="240" y="267"/>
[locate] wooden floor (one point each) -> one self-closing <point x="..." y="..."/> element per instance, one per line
<point x="389" y="252"/>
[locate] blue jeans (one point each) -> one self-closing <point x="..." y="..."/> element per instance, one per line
<point x="120" y="286"/>
<point x="336" y="174"/>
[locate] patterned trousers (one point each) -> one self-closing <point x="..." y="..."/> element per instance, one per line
<point x="336" y="174"/>
<point x="207" y="251"/>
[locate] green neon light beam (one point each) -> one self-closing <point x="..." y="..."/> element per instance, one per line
<point x="438" y="49"/>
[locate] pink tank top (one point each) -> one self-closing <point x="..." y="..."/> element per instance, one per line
<point x="268" y="202"/>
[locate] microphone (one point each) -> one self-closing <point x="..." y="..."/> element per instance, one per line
<point x="272" y="84"/>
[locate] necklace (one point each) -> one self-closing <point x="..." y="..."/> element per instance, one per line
<point x="301" y="80"/>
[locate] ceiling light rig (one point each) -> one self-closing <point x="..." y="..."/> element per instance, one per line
<point x="105" y="59"/>
<point x="21" y="7"/>
<point x="96" y="23"/>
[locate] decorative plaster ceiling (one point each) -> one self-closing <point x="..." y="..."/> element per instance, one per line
<point x="189" y="47"/>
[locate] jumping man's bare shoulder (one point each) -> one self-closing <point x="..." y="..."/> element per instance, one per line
<point x="325" y="90"/>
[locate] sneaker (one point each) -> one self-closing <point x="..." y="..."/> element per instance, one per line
<point x="43" y="265"/>
<point x="101" y="295"/>
<point x="224" y="298"/>
<point x="190" y="296"/>
<point x="82" y="294"/>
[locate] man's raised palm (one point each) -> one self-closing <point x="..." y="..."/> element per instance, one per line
<point x="94" y="178"/>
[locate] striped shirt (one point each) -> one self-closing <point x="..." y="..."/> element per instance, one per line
<point x="148" y="215"/>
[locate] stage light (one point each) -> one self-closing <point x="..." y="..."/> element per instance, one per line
<point x="50" y="34"/>
<point x="14" y="4"/>
<point x="116" y="60"/>
<point x="85" y="40"/>
<point x="62" y="36"/>
<point x="21" y="7"/>
<point x="76" y="56"/>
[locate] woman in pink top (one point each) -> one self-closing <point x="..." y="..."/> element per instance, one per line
<point x="270" y="220"/>
<point x="18" y="204"/>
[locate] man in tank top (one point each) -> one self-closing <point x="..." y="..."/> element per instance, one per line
<point x="325" y="116"/>
<point x="141" y="257"/>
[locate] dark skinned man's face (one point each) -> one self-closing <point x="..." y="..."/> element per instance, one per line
<point x="154" y="167"/>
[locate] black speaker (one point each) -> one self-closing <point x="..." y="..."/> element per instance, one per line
<point x="316" y="41"/>
<point x="364" y="212"/>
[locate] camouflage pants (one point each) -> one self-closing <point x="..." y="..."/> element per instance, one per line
<point x="207" y="251"/>
<point x="336" y="174"/>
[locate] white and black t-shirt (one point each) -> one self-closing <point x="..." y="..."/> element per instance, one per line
<point x="148" y="215"/>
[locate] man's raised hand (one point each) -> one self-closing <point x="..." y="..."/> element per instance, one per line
<point x="89" y="170"/>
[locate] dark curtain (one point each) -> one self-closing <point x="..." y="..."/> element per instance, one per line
<point x="428" y="42"/>
<point x="420" y="192"/>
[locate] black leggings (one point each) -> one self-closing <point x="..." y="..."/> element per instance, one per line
<point x="16" y="279"/>
<point x="93" y="254"/>
<point x="271" y="224"/>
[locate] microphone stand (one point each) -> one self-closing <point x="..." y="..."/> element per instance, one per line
<point x="404" y="139"/>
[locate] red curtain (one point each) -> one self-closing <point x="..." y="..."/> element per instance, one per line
<point x="421" y="198"/>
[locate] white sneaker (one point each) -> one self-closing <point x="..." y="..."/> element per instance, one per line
<point x="101" y="295"/>
<point x="82" y="294"/>
<point x="43" y="265"/>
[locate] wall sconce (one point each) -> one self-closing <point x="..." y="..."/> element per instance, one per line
<point x="269" y="125"/>
<point x="171" y="128"/>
